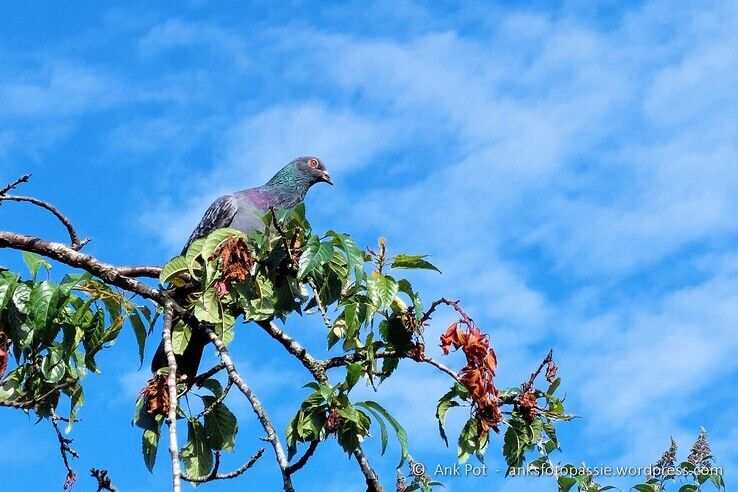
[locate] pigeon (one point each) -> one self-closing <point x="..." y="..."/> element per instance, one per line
<point x="244" y="210"/>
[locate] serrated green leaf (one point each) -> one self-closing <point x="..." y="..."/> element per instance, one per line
<point x="375" y="408"/>
<point x="566" y="483"/>
<point x="34" y="262"/>
<point x="174" y="267"/>
<point x="53" y="367"/>
<point x="149" y="445"/>
<point x="381" y="290"/>
<point x="315" y="255"/>
<point x="221" y="425"/>
<point x="8" y="281"/>
<point x="413" y="262"/>
<point x="196" y="453"/>
<point x="445" y="403"/>
<point x="181" y="334"/>
<point x="139" y="330"/>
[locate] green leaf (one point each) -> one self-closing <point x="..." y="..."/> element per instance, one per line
<point x="76" y="400"/>
<point x="375" y="408"/>
<point x="34" y="262"/>
<point x="566" y="483"/>
<point x="381" y="289"/>
<point x="354" y="256"/>
<point x="174" y="267"/>
<point x="181" y="334"/>
<point x="8" y="281"/>
<point x="214" y="386"/>
<point x="42" y="303"/>
<point x="207" y="307"/>
<point x="645" y="487"/>
<point x="316" y="254"/>
<point x="140" y="331"/>
<point x="414" y="262"/>
<point x="149" y="445"/>
<point x="353" y="374"/>
<point x="221" y="425"/>
<point x="196" y="453"/>
<point x="444" y="405"/>
<point x="53" y="367"/>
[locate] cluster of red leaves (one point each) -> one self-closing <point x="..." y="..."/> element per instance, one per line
<point x="3" y="354"/>
<point x="479" y="373"/>
<point x="236" y="259"/>
<point x="334" y="421"/>
<point x="156" y="394"/>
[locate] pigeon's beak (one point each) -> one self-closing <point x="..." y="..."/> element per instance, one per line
<point x="326" y="178"/>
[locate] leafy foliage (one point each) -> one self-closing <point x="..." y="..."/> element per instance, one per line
<point x="55" y="331"/>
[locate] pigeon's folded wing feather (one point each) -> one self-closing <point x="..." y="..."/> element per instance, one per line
<point x="218" y="215"/>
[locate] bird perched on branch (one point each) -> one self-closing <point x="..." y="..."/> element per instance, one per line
<point x="244" y="210"/>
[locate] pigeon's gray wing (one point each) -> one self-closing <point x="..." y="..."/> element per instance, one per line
<point x="218" y="215"/>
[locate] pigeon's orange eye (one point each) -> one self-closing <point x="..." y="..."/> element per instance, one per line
<point x="313" y="163"/>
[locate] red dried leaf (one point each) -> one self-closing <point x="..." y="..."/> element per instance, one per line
<point x="450" y="337"/>
<point x="156" y="393"/>
<point x="551" y="372"/>
<point x="236" y="260"/>
<point x="69" y="481"/>
<point x="3" y="354"/>
<point x="527" y="405"/>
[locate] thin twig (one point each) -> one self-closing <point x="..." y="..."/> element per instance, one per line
<point x="10" y="186"/>
<point x="226" y="476"/>
<point x="103" y="480"/>
<point x="172" y="387"/>
<point x="304" y="458"/>
<point x="343" y="360"/>
<point x="28" y="404"/>
<point x="217" y="401"/>
<point x="201" y="378"/>
<point x="66" y="451"/>
<point x="319" y="303"/>
<point x="529" y="384"/>
<point x="77" y="244"/>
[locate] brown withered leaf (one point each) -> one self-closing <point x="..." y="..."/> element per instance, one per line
<point x="3" y="354"/>
<point x="333" y="422"/>
<point x="236" y="260"/>
<point x="156" y="393"/>
<point x="69" y="481"/>
<point x="527" y="405"/>
<point x="551" y="372"/>
<point x="450" y="337"/>
<point x="488" y="415"/>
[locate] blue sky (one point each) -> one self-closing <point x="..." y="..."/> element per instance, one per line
<point x="570" y="166"/>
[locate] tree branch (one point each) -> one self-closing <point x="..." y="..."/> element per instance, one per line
<point x="311" y="363"/>
<point x="256" y="405"/>
<point x="65" y="451"/>
<point x="77" y="244"/>
<point x="172" y="386"/>
<point x="372" y="482"/>
<point x="71" y="257"/>
<point x="10" y="186"/>
<point x="226" y="476"/>
<point x="103" y="480"/>
<point x="304" y="458"/>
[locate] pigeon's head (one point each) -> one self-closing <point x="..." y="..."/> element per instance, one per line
<point x="312" y="170"/>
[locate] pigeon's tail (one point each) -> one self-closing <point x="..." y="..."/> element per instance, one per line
<point x="188" y="362"/>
